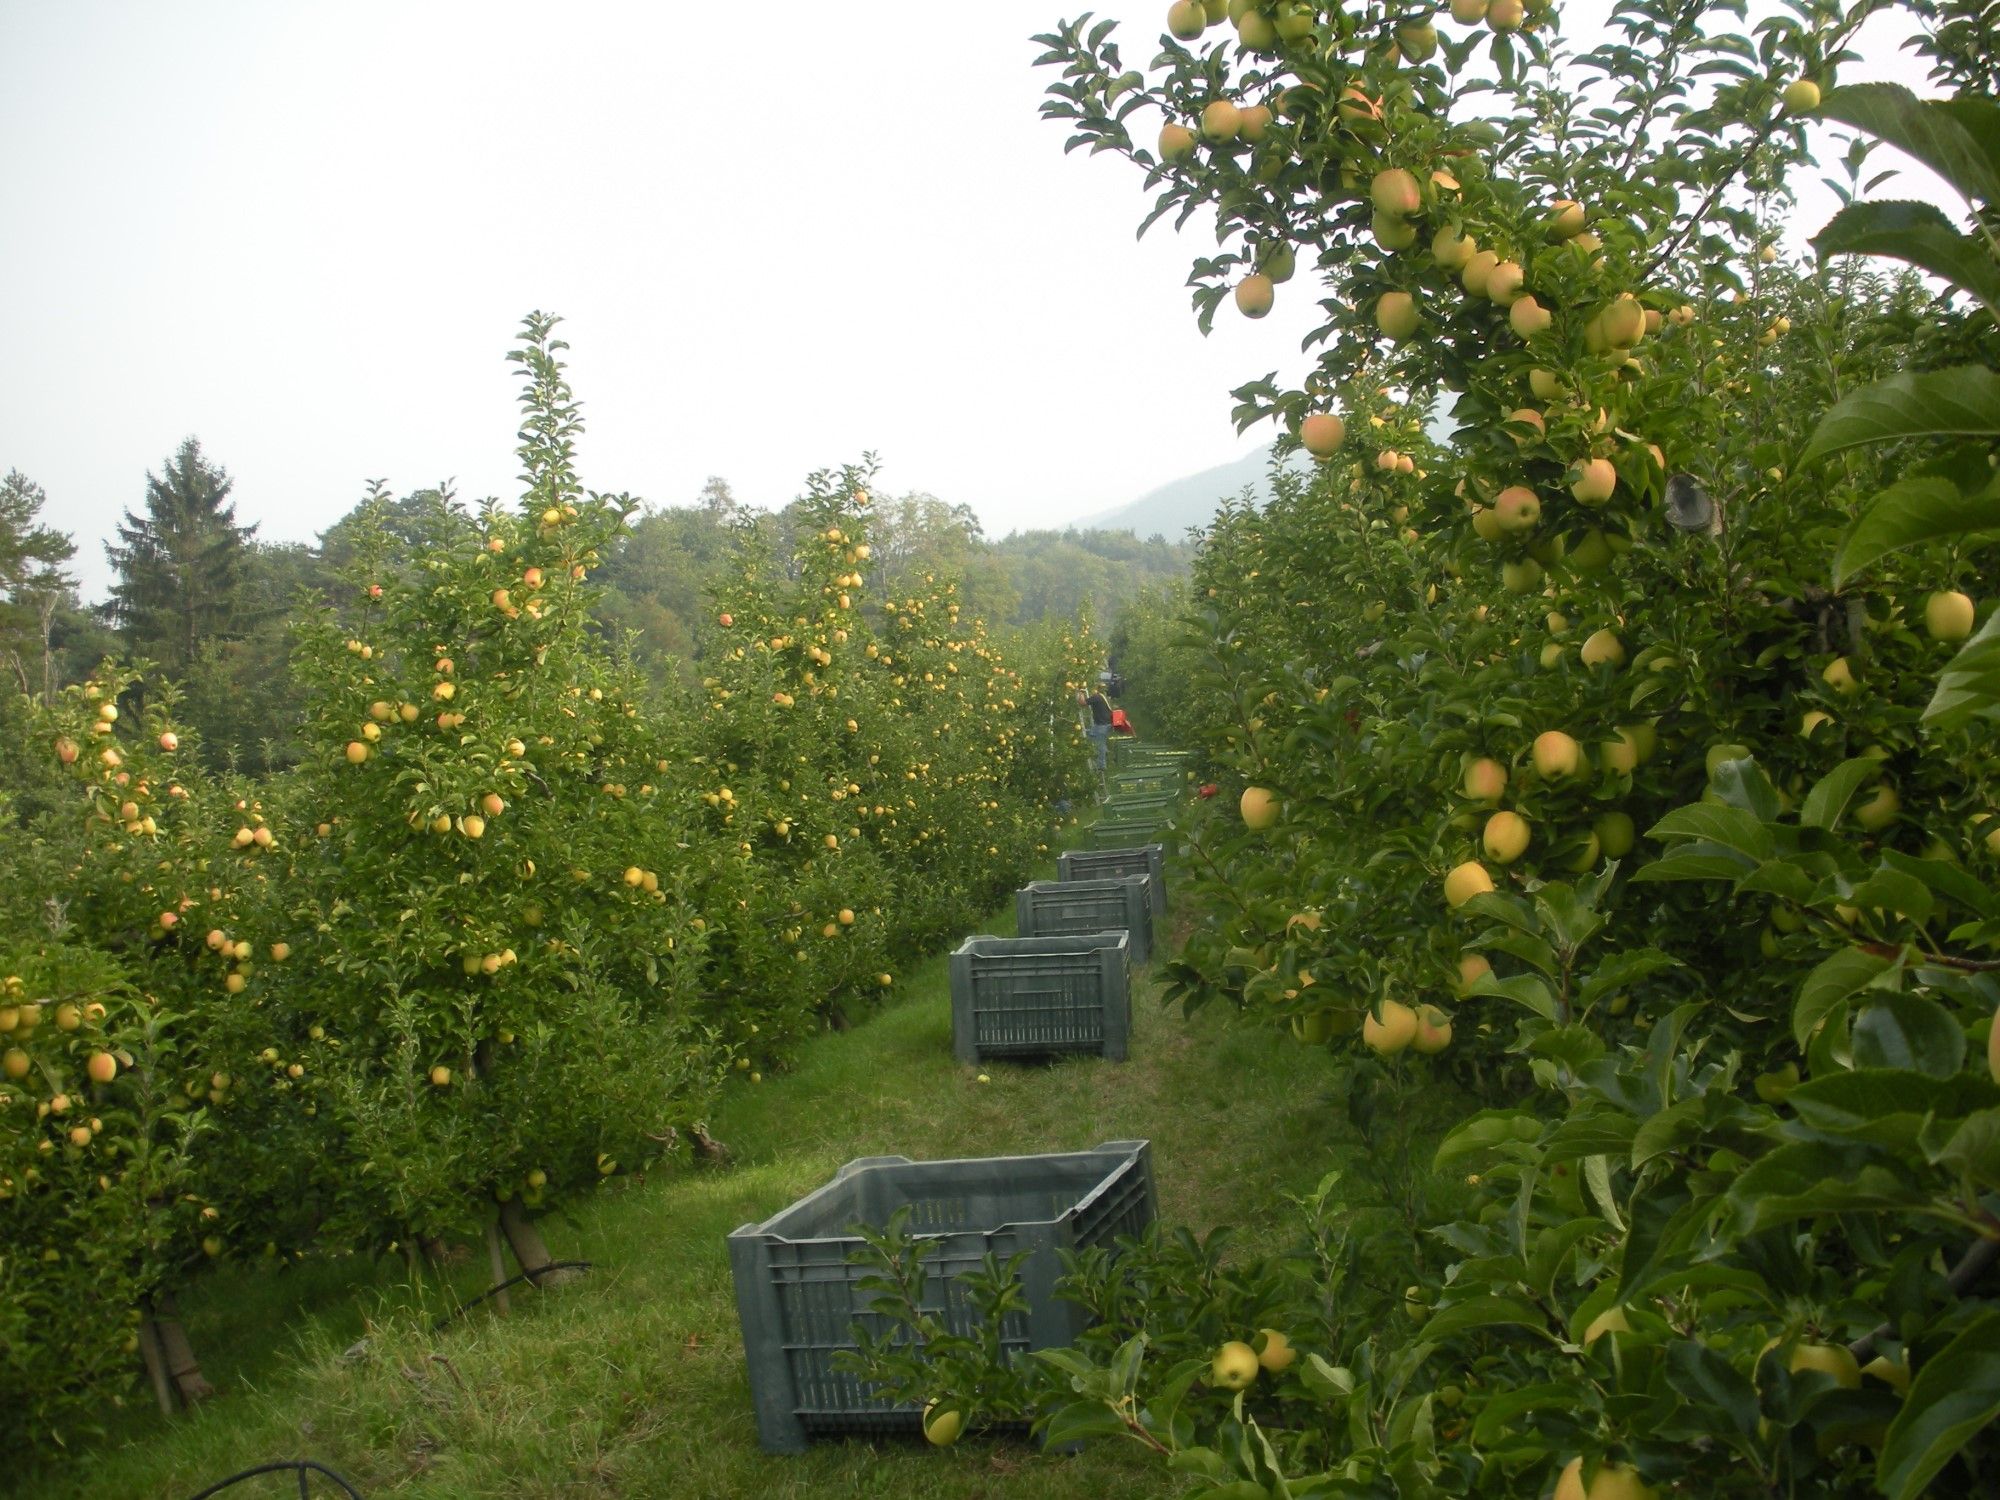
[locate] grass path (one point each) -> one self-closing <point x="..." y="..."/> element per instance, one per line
<point x="631" y="1383"/>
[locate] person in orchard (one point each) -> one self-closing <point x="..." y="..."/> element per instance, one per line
<point x="1097" y="725"/>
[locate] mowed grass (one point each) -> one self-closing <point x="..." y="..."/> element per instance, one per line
<point x="631" y="1382"/>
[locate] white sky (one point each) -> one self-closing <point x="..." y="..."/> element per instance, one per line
<point x="779" y="234"/>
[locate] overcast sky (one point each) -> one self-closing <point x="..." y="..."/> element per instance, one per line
<point x="780" y="234"/>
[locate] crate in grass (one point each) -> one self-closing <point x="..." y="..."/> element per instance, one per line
<point x="1039" y="996"/>
<point x="798" y="1296"/>
<point x="1129" y="805"/>
<point x="1101" y="864"/>
<point x="1117" y="835"/>
<point x="1116" y="903"/>
<point x="1147" y="781"/>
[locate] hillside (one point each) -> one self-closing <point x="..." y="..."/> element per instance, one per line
<point x="1175" y="507"/>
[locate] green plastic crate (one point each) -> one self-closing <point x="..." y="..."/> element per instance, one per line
<point x="1149" y="860"/>
<point x="1115" y="835"/>
<point x="1164" y="779"/>
<point x="1116" y="903"/>
<point x="1127" y="806"/>
<point x="1038" y="996"/>
<point x="797" y="1294"/>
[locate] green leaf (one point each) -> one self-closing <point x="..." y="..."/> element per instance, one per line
<point x="1529" y="990"/>
<point x="1955" y="1394"/>
<point x="1947" y="880"/>
<point x="1081" y="1421"/>
<point x="1909" y="1031"/>
<point x="1826" y="803"/>
<point x="1918" y="233"/>
<point x="1713" y="1383"/>
<point x="1969" y="687"/>
<point x="1786" y="878"/>
<point x="1743" y="784"/>
<point x="1980" y="118"/>
<point x="1837" y="978"/>
<point x="1808" y="1179"/>
<point x="1553" y="1246"/>
<point x="1973" y="1148"/>
<point x="1843" y="1103"/>
<point x="1328" y="1382"/>
<point x="1963" y="401"/>
<point x="1622" y="969"/>
<point x="1484" y="1312"/>
<point x="1495" y="1423"/>
<point x="1487" y="1130"/>
<point x="1912" y="511"/>
<point x="1697" y="862"/>
<point x="1937" y="137"/>
<point x="1572" y="1045"/>
<point x="1588" y="1133"/>
<point x="1889" y="889"/>
<point x="1715" y="823"/>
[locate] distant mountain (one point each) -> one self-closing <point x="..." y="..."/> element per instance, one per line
<point x="1174" y="507"/>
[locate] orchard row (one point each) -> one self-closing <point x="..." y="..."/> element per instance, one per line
<point x="509" y="926"/>
<point x="1621" y="761"/>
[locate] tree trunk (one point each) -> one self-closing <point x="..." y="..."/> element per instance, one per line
<point x="524" y="1238"/>
<point x="175" y="1352"/>
<point x="156" y="1365"/>
<point x="496" y="1263"/>
<point x="707" y="1148"/>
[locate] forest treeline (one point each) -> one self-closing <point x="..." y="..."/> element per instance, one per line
<point x="211" y="603"/>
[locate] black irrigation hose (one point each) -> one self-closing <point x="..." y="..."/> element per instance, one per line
<point x="533" y="1276"/>
<point x="304" y="1467"/>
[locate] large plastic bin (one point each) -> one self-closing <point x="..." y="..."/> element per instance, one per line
<point x="1036" y="996"/>
<point x="1128" y="807"/>
<point x="1118" y="835"/>
<point x="1102" y="864"/>
<point x="1115" y="903"/>
<point x="1162" y="779"/>
<point x="797" y="1293"/>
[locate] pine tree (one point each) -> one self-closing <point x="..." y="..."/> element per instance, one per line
<point x="34" y="584"/>
<point x="180" y="562"/>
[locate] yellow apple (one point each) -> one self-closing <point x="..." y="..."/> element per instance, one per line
<point x="1516" y="509"/>
<point x="1393" y="1031"/>
<point x="1395" y="192"/>
<point x="1615" y="834"/>
<point x="1593" y="481"/>
<point x="1603" y="648"/>
<point x="1466" y="881"/>
<point x="1234" y="1366"/>
<point x="942" y="1426"/>
<point x="1259" y="808"/>
<point x="1396" y="315"/>
<point x="1322" y="433"/>
<point x="1948" y="615"/>
<point x="1556" y="755"/>
<point x="1828" y="1359"/>
<point x="1433" y="1031"/>
<point x="1485" y="780"/>
<point x="1254" y="295"/>
<point x="1274" y="1350"/>
<point x="1505" y="837"/>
